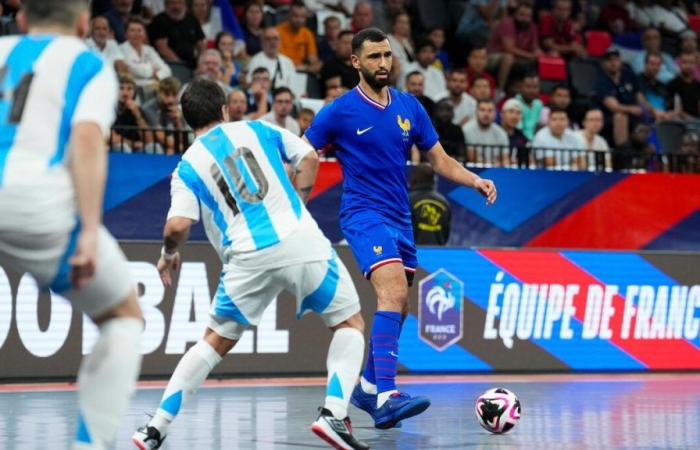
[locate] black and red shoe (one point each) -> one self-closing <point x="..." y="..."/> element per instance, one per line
<point x="337" y="432"/>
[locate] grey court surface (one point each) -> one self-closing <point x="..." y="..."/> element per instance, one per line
<point x="559" y="412"/>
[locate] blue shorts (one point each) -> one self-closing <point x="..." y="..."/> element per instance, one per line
<point x="376" y="244"/>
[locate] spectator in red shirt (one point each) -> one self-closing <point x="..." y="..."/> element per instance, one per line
<point x="514" y="42"/>
<point x="476" y="68"/>
<point x="558" y="35"/>
<point x="616" y="19"/>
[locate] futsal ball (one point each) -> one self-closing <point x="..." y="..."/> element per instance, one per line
<point x="498" y="410"/>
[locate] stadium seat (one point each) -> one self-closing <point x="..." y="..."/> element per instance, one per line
<point x="694" y="22"/>
<point x="597" y="42"/>
<point x="670" y="135"/>
<point x="552" y="68"/>
<point x="584" y="74"/>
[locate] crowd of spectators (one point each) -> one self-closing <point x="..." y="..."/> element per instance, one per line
<point x="481" y="68"/>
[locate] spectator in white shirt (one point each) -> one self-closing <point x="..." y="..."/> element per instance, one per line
<point x="463" y="104"/>
<point x="143" y="61"/>
<point x="280" y="67"/>
<point x="282" y="104"/>
<point x="486" y="141"/>
<point x="102" y="43"/>
<point x="553" y="144"/>
<point x="589" y="139"/>
<point x="435" y="86"/>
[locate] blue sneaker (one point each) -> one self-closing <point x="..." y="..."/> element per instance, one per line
<point x="366" y="402"/>
<point x="398" y="407"/>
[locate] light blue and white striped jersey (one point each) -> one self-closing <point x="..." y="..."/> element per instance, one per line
<point x="236" y="173"/>
<point x="47" y="85"/>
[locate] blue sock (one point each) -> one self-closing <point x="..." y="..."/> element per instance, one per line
<point x="368" y="373"/>
<point x="385" y="348"/>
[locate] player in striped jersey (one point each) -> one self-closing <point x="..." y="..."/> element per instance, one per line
<point x="57" y="103"/>
<point x="233" y="178"/>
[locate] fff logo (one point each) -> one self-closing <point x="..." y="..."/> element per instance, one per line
<point x="440" y="319"/>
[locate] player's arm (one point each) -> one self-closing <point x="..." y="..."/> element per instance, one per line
<point x="88" y="169"/>
<point x="449" y="168"/>
<point x="183" y="213"/>
<point x="307" y="169"/>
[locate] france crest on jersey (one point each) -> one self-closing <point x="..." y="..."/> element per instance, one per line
<point x="372" y="142"/>
<point x="236" y="172"/>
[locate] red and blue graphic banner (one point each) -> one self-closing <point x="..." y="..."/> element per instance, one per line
<point x="535" y="208"/>
<point x="558" y="310"/>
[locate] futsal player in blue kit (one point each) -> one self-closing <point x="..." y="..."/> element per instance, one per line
<point x="373" y="128"/>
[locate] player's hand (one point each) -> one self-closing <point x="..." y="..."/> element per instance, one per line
<point x="486" y="188"/>
<point x="84" y="260"/>
<point x="164" y="268"/>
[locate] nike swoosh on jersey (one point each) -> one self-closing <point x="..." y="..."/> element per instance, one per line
<point x="361" y="132"/>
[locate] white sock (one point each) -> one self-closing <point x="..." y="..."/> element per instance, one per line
<point x="106" y="381"/>
<point x="190" y="373"/>
<point x="382" y="397"/>
<point x="344" y="362"/>
<point x="369" y="388"/>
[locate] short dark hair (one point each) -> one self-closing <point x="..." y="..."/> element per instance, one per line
<point x="307" y="111"/>
<point x="650" y="54"/>
<point x="423" y="43"/>
<point x="345" y="32"/>
<point x="558" y="111"/>
<point x="413" y="74"/>
<point x="560" y="86"/>
<point x="485" y="100"/>
<point x="202" y="102"/>
<point x="423" y="176"/>
<point x="134" y="19"/>
<point x="260" y="69"/>
<point x="63" y="12"/>
<point x="477" y="78"/>
<point x="368" y="34"/>
<point x="281" y="90"/>
<point x="169" y="85"/>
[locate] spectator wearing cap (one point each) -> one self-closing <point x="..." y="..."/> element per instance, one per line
<point x="435" y="85"/>
<point x="101" y="42"/>
<point x="686" y="88"/>
<point x="463" y="104"/>
<point x="144" y="63"/>
<point x="431" y="213"/>
<point x="559" y="36"/>
<point x="298" y="43"/>
<point x="651" y="41"/>
<point x="282" y="104"/>
<point x="530" y="104"/>
<point x="514" y="42"/>
<point x="176" y="34"/>
<point x="280" y="67"/>
<point x="590" y="140"/>
<point x="553" y="143"/>
<point x="340" y="65"/>
<point x="519" y="144"/>
<point x="654" y="95"/>
<point x="477" y="60"/>
<point x="618" y="92"/>
<point x="415" y="83"/>
<point x="485" y="139"/>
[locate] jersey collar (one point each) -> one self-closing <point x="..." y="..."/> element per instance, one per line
<point x="371" y="101"/>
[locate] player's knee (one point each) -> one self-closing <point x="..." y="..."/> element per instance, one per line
<point x="355" y="321"/>
<point x="129" y="307"/>
<point x="394" y="298"/>
<point x="220" y="344"/>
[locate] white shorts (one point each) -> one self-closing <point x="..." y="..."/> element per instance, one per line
<point x="324" y="287"/>
<point x="46" y="256"/>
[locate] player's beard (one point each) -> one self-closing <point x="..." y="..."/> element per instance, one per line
<point x="371" y="79"/>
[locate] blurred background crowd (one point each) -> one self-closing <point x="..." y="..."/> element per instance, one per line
<point x="569" y="84"/>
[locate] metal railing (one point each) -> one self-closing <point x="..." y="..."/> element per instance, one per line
<point x="170" y="141"/>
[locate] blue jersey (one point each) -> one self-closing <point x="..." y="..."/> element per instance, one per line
<point x="372" y="142"/>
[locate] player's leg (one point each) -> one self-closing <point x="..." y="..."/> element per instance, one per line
<point x="253" y="291"/>
<point x="108" y="374"/>
<point x="325" y="287"/>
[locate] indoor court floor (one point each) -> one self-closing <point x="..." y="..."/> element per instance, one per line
<point x="559" y="412"/>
